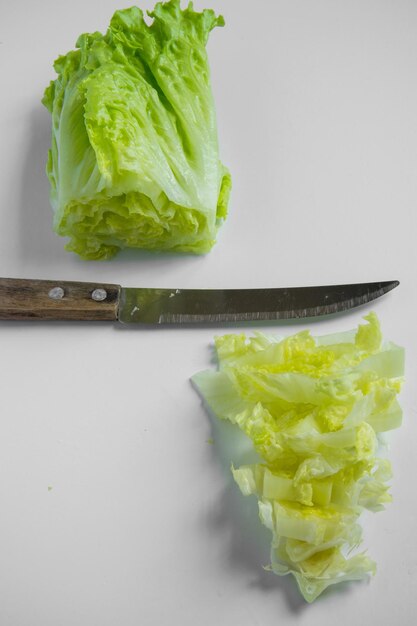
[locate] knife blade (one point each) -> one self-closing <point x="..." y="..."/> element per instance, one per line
<point x="26" y="299"/>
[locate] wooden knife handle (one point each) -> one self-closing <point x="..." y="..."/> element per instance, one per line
<point x="22" y="299"/>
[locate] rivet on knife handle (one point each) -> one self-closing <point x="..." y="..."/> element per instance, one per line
<point x="25" y="299"/>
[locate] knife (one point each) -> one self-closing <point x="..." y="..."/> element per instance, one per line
<point x="25" y="299"/>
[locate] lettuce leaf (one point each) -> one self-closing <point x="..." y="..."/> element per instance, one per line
<point x="134" y="160"/>
<point x="312" y="408"/>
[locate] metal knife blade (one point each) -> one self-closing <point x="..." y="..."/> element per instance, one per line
<point x="214" y="306"/>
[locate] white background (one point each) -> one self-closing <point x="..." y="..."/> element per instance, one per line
<point x="115" y="510"/>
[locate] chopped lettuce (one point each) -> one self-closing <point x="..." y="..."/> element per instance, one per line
<point x="134" y="160"/>
<point x="313" y="408"/>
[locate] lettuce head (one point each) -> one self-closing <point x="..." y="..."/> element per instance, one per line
<point x="134" y="160"/>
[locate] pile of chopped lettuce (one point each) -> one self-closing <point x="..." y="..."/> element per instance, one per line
<point x="134" y="160"/>
<point x="314" y="409"/>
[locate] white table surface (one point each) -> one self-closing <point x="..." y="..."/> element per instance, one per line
<point x="115" y="510"/>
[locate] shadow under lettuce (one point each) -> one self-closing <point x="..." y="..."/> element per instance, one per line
<point x="37" y="241"/>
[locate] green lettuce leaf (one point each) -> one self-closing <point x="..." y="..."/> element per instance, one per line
<point x="312" y="408"/>
<point x="134" y="160"/>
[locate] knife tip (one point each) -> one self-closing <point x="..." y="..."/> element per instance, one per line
<point x="389" y="285"/>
